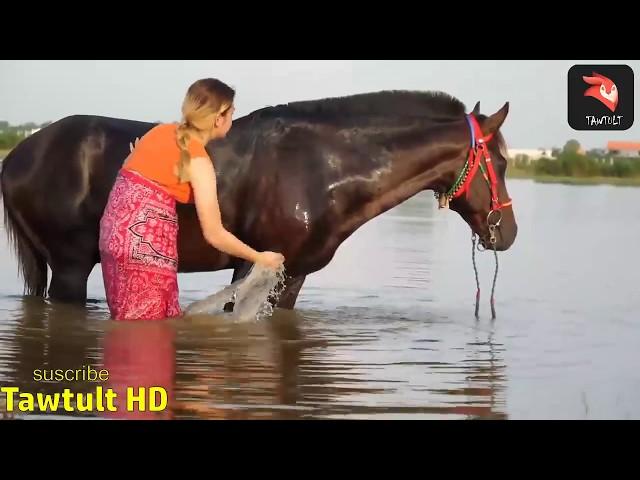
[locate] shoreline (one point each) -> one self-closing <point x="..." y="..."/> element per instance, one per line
<point x="565" y="180"/>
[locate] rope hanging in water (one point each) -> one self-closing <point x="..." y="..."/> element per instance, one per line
<point x="475" y="269"/>
<point x="495" y="276"/>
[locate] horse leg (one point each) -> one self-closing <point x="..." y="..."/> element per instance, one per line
<point x="238" y="273"/>
<point x="69" y="281"/>
<point x="241" y="271"/>
<point x="290" y="294"/>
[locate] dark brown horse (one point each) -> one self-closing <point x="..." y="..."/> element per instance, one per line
<point x="297" y="179"/>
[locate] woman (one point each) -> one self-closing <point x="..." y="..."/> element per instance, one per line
<point x="139" y="228"/>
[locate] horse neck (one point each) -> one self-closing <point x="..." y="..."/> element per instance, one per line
<point x="425" y="156"/>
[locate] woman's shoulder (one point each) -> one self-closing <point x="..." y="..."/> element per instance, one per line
<point x="162" y="129"/>
<point x="159" y="136"/>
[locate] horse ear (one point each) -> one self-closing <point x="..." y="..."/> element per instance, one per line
<point x="476" y="109"/>
<point x="495" y="121"/>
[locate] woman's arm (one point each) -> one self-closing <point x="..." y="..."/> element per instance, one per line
<point x="203" y="181"/>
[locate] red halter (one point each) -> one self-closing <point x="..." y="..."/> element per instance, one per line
<point x="477" y="152"/>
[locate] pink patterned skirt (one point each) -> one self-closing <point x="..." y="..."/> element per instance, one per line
<point x="139" y="250"/>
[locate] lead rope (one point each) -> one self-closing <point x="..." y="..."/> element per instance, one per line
<point x="475" y="270"/>
<point x="492" y="240"/>
<point x="495" y="277"/>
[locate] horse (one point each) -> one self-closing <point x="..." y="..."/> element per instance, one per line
<point x="297" y="178"/>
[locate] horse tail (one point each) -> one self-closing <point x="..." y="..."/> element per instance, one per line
<point x="31" y="263"/>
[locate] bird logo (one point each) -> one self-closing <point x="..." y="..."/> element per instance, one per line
<point x="602" y="89"/>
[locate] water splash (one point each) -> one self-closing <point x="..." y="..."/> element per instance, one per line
<point x="252" y="296"/>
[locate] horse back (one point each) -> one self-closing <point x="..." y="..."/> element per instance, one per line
<point x="67" y="169"/>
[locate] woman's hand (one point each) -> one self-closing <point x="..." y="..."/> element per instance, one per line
<point x="132" y="146"/>
<point x="270" y="260"/>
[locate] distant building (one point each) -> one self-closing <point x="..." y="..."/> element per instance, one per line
<point x="28" y="131"/>
<point x="624" y="149"/>
<point x="529" y="154"/>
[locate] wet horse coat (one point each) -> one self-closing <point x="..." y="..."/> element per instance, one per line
<point x="297" y="178"/>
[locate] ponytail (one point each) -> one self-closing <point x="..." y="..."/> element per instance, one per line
<point x="183" y="135"/>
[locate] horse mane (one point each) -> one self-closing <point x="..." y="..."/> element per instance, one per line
<point x="386" y="103"/>
<point x="394" y="103"/>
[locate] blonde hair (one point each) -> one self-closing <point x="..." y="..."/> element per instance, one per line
<point x="206" y="99"/>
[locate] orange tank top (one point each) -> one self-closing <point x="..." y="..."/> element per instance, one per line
<point x="156" y="158"/>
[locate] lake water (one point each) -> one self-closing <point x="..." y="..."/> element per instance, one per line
<point x="387" y="330"/>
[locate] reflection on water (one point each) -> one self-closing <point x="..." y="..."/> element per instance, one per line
<point x="386" y="330"/>
<point x="139" y="356"/>
<point x="291" y="367"/>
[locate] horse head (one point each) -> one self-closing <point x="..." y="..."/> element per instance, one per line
<point x="478" y="191"/>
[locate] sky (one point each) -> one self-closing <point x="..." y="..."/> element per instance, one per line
<point x="39" y="91"/>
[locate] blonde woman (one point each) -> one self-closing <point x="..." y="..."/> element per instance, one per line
<point x="139" y="227"/>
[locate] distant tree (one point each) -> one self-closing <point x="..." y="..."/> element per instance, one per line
<point x="622" y="168"/>
<point x="572" y="146"/>
<point x="596" y="153"/>
<point x="4" y="125"/>
<point x="10" y="139"/>
<point x="546" y="166"/>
